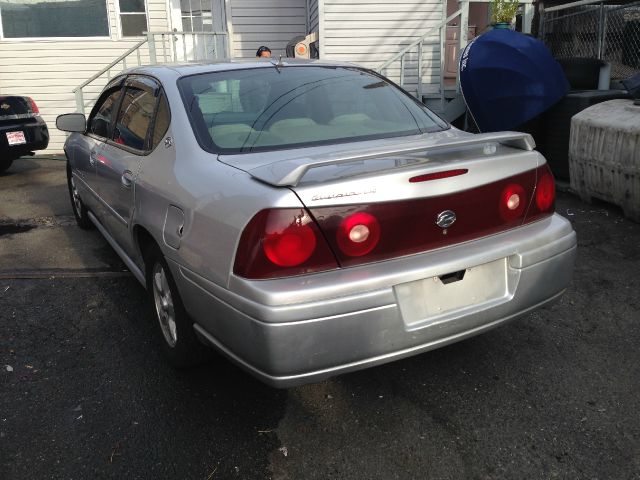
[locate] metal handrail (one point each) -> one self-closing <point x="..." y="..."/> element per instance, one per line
<point x="463" y="13"/>
<point x="420" y="40"/>
<point x="112" y="64"/>
<point x="173" y="35"/>
<point x="150" y="41"/>
<point x="176" y="32"/>
<point x="122" y="58"/>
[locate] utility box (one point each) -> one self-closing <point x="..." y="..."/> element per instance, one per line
<point x="604" y="154"/>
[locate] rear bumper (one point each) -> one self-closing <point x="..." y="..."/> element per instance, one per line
<point x="305" y="329"/>
<point x="35" y="132"/>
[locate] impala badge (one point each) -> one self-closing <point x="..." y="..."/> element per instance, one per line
<point x="446" y="219"/>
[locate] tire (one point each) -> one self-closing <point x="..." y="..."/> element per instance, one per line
<point x="79" y="210"/>
<point x="172" y="326"/>
<point x="5" y="163"/>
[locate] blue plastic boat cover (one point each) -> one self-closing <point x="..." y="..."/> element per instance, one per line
<point x="508" y="78"/>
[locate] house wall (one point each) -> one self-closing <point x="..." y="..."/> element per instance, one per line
<point x="369" y="32"/>
<point x="48" y="70"/>
<point x="266" y="22"/>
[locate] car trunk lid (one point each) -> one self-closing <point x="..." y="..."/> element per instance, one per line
<point x="14" y="108"/>
<point x="394" y="200"/>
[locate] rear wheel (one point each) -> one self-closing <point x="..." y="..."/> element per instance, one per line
<point x="79" y="210"/>
<point x="174" y="329"/>
<point x="5" y="163"/>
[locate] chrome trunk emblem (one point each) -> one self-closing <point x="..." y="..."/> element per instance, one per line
<point x="446" y="219"/>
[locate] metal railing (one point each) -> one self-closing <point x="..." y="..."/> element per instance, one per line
<point x="412" y="57"/>
<point x="159" y="47"/>
<point x="608" y="31"/>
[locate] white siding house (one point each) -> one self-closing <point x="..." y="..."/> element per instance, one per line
<point x="50" y="47"/>
<point x="48" y="66"/>
<point x="369" y="32"/>
<point x="47" y="69"/>
<point x="265" y="22"/>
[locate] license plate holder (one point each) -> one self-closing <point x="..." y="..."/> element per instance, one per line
<point x="16" y="138"/>
<point x="434" y="299"/>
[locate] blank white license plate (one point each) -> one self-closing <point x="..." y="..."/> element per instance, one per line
<point x="16" y="138"/>
<point x="430" y="299"/>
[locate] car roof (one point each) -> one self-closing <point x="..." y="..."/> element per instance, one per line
<point x="173" y="70"/>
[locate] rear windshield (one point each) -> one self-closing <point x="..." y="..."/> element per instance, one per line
<point x="293" y="106"/>
<point x="15" y="107"/>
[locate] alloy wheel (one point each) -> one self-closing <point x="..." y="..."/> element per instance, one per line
<point x="164" y="305"/>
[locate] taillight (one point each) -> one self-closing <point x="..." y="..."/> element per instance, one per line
<point x="294" y="241"/>
<point x="288" y="242"/>
<point x="545" y="192"/>
<point x="358" y="234"/>
<point x="513" y="202"/>
<point x="544" y="196"/>
<point x="34" y="107"/>
<point x="282" y="242"/>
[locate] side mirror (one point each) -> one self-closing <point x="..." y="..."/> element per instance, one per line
<point x="72" y="122"/>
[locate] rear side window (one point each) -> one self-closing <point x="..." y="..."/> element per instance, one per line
<point x="134" y="118"/>
<point x="100" y="121"/>
<point x="274" y="108"/>
<point x="161" y="122"/>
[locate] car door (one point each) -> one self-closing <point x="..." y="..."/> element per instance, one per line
<point x="87" y="151"/>
<point x="121" y="157"/>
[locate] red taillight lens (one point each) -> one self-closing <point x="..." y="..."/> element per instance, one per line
<point x="410" y="226"/>
<point x="34" y="107"/>
<point x="358" y="234"/>
<point x="288" y="241"/>
<point x="545" y="192"/>
<point x="280" y="243"/>
<point x="513" y="202"/>
<point x="544" y="198"/>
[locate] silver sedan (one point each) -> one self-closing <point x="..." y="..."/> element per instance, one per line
<point x="310" y="218"/>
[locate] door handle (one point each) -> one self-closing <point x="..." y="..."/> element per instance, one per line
<point x="93" y="158"/>
<point x="127" y="178"/>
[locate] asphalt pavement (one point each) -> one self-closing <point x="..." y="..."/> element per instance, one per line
<point x="84" y="393"/>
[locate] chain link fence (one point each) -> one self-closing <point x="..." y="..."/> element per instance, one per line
<point x="606" y="31"/>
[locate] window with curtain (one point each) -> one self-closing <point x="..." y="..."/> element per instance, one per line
<point x="54" y="18"/>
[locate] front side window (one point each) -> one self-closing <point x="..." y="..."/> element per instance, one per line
<point x="133" y="17"/>
<point x="54" y="18"/>
<point x="134" y="118"/>
<point x="274" y="108"/>
<point x="102" y="116"/>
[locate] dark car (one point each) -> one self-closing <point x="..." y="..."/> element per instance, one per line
<point x="22" y="130"/>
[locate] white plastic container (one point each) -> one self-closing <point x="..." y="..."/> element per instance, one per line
<point x="604" y="154"/>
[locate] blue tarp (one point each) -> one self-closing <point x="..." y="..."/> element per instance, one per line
<point x="508" y="78"/>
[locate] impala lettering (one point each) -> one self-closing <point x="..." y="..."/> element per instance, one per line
<point x="331" y="196"/>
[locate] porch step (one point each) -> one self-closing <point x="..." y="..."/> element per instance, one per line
<point x="449" y="93"/>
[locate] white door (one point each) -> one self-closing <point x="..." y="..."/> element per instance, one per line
<point x="195" y="22"/>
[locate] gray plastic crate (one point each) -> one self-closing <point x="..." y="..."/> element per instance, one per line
<point x="604" y="154"/>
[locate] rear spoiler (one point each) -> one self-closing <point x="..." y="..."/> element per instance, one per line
<point x="290" y="172"/>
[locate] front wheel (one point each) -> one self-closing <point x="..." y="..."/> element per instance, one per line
<point x="79" y="210"/>
<point x="174" y="329"/>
